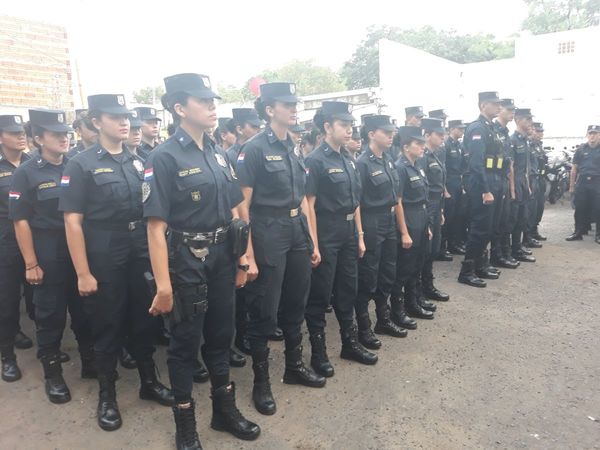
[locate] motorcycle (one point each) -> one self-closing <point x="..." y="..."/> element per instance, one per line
<point x="558" y="173"/>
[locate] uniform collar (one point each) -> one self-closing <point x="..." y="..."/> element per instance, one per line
<point x="372" y="156"/>
<point x="328" y="151"/>
<point x="101" y="152"/>
<point x="184" y="139"/>
<point x="272" y="138"/>
<point x="24" y="156"/>
<point x="405" y="160"/>
<point x="41" y="162"/>
<point x="484" y="119"/>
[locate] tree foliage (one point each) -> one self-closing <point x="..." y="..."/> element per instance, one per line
<point x="362" y="70"/>
<point x="548" y="16"/>
<point x="149" y="95"/>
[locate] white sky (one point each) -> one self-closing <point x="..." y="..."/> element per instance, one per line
<point x="123" y="45"/>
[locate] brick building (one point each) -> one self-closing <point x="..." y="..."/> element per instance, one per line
<point x="35" y="67"/>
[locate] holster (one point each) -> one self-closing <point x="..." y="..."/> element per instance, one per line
<point x="239" y="231"/>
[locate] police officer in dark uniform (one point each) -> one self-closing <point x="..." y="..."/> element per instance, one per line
<point x="534" y="175"/>
<point x="101" y="196"/>
<point x="150" y="129"/>
<point x="585" y="184"/>
<point x="333" y="193"/>
<point x="225" y="133"/>
<point x="377" y="268"/>
<point x="13" y="144"/>
<point x="521" y="160"/>
<point x="134" y="140"/>
<point x="454" y="204"/>
<point x="191" y="190"/>
<point x="273" y="179"/>
<point x="247" y="125"/>
<point x="355" y="143"/>
<point x="501" y="255"/>
<point x="484" y="188"/>
<point x="40" y="232"/>
<point x="538" y="141"/>
<point x="414" y="115"/>
<point x="413" y="225"/>
<point x="435" y="171"/>
<point x="85" y="130"/>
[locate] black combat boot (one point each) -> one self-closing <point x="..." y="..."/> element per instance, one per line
<point x="88" y="367"/>
<point x="385" y="325"/>
<point x="261" y="391"/>
<point x="467" y="275"/>
<point x="200" y="372"/>
<point x="482" y="271"/>
<point x="319" y="359"/>
<point x="522" y="256"/>
<point x="150" y="387"/>
<point x="421" y="300"/>
<point x="353" y="350"/>
<point x="411" y="302"/>
<point x="503" y="258"/>
<point x="536" y="235"/>
<point x="186" y="436"/>
<point x="109" y="417"/>
<point x="399" y="316"/>
<point x="277" y="335"/>
<point x="127" y="360"/>
<point x="487" y="265"/>
<point x="241" y="339"/>
<point x="10" y="369"/>
<point x="22" y="341"/>
<point x="56" y="388"/>
<point x="433" y="293"/>
<point x="576" y="236"/>
<point x="236" y="359"/>
<point x="365" y="334"/>
<point x="295" y="370"/>
<point x="227" y="417"/>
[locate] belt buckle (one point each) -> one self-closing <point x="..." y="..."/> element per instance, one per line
<point x="349" y="217"/>
<point x="294" y="212"/>
<point x="589" y="178"/>
<point x="424" y="206"/>
<point x="131" y="226"/>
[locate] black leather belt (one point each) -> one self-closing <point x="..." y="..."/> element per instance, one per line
<point x="377" y="210"/>
<point x="115" y="226"/>
<point x="275" y="212"/>
<point x="201" y="239"/>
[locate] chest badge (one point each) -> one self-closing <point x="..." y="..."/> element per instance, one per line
<point x="145" y="191"/>
<point x="196" y="196"/>
<point x="352" y="164"/>
<point x="137" y="164"/>
<point x="221" y="160"/>
<point x="422" y="172"/>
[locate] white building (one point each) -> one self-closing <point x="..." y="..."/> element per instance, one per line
<point x="556" y="75"/>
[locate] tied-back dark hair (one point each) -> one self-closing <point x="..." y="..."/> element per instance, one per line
<point x="31" y="131"/>
<point x="311" y="137"/>
<point x="364" y="134"/>
<point x="169" y="101"/>
<point x="260" y="106"/>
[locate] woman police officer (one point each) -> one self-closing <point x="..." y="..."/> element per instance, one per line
<point x="272" y="177"/>
<point x="191" y="191"/>
<point x="333" y="193"/>
<point x="40" y="232"/>
<point x="101" y="197"/>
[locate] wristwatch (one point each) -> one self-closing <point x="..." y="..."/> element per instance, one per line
<point x="244" y="267"/>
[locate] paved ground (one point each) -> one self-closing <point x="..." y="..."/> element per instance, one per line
<point x="513" y="366"/>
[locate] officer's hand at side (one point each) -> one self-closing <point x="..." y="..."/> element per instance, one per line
<point x="488" y="198"/>
<point x="241" y="278"/>
<point x="429" y="234"/>
<point x="87" y="285"/>
<point x="252" y="270"/>
<point x="315" y="258"/>
<point x="513" y="196"/>
<point x="162" y="303"/>
<point x="407" y="241"/>
<point x="571" y="189"/>
<point x="443" y="219"/>
<point x="35" y="275"/>
<point x="447" y="194"/>
<point x="362" y="248"/>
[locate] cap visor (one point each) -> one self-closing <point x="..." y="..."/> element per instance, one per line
<point x="436" y="130"/>
<point x="57" y="128"/>
<point x="345" y="117"/>
<point x="255" y="123"/>
<point x="135" y="123"/>
<point x="418" y="138"/>
<point x="13" y="129"/>
<point x="386" y="128"/>
<point x="204" y="94"/>
<point x="287" y="99"/>
<point x="152" y="118"/>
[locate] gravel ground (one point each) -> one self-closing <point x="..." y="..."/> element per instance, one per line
<point x="513" y="366"/>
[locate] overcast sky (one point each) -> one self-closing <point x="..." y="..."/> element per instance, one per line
<point x="122" y="45"/>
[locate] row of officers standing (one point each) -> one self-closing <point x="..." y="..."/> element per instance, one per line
<point x="119" y="233"/>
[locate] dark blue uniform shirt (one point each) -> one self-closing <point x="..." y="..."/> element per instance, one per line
<point x="485" y="155"/>
<point x="379" y="180"/>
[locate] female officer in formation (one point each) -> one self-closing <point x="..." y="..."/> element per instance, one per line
<point x="40" y="232"/>
<point x="13" y="143"/>
<point x="333" y="195"/>
<point x="281" y="247"/>
<point x="413" y="223"/>
<point x="191" y="191"/>
<point x="377" y="268"/>
<point x="102" y="200"/>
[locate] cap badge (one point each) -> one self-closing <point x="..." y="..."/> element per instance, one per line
<point x="120" y="100"/>
<point x="60" y="118"/>
<point x="206" y="82"/>
<point x="292" y="89"/>
<point x="152" y="111"/>
<point x="17" y="119"/>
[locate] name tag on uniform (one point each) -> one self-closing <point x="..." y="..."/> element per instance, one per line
<point x="489" y="163"/>
<point x="103" y="170"/>
<point x="48" y="185"/>
<point x="5" y="174"/>
<point x="433" y="164"/>
<point x="187" y="172"/>
<point x="377" y="172"/>
<point x="453" y="152"/>
<point x="499" y="163"/>
<point x="274" y="158"/>
<point x="415" y="178"/>
<point x="335" y="170"/>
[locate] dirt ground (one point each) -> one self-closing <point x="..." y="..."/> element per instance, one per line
<point x="513" y="366"/>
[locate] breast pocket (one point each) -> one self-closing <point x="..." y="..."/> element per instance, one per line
<point x="277" y="173"/>
<point x="112" y="186"/>
<point x="193" y="187"/>
<point x="48" y="194"/>
<point x="379" y="180"/>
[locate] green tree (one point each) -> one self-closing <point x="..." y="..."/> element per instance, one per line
<point x="548" y="16"/>
<point x="362" y="70"/>
<point x="149" y="95"/>
<point x="232" y="94"/>
<point x="309" y="77"/>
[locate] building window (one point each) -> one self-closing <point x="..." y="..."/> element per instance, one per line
<point x="566" y="47"/>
